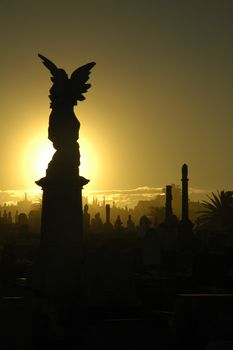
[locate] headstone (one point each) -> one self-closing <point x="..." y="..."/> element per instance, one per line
<point x="118" y="225"/>
<point x="130" y="224"/>
<point x="108" y="227"/>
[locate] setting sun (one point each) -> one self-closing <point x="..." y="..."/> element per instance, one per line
<point x="36" y="156"/>
<point x="39" y="151"/>
<point x="89" y="166"/>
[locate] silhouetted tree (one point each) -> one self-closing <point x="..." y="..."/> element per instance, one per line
<point x="218" y="211"/>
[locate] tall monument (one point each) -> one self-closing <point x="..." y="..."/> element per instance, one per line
<point x="185" y="227"/>
<point x="57" y="271"/>
<point x="185" y="203"/>
<point x="168" y="206"/>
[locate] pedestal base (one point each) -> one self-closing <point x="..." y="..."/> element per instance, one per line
<point x="58" y="264"/>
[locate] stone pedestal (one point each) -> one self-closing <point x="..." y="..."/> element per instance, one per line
<point x="57" y="269"/>
<point x="61" y="220"/>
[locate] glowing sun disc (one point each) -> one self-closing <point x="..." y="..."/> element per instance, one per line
<point x="39" y="151"/>
<point x="89" y="165"/>
<point x="36" y="156"/>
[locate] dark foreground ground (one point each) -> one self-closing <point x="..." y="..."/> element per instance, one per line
<point x="191" y="310"/>
<point x="170" y="316"/>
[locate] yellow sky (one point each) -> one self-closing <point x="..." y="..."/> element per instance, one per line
<point x="161" y="91"/>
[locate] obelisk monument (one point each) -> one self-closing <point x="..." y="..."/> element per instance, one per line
<point x="57" y="269"/>
<point x="185" y="200"/>
<point x="185" y="225"/>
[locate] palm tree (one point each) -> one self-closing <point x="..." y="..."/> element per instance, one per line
<point x="218" y="211"/>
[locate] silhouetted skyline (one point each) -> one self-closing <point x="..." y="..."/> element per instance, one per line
<point x="162" y="93"/>
<point x="122" y="198"/>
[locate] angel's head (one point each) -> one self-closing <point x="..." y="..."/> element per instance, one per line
<point x="59" y="76"/>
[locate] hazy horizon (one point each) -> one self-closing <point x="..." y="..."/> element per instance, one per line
<point x="121" y="197"/>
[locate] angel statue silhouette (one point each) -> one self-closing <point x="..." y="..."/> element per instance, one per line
<point x="64" y="94"/>
<point x="63" y="128"/>
<point x="65" y="90"/>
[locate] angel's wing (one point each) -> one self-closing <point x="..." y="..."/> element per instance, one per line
<point x="48" y="64"/>
<point x="78" y="80"/>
